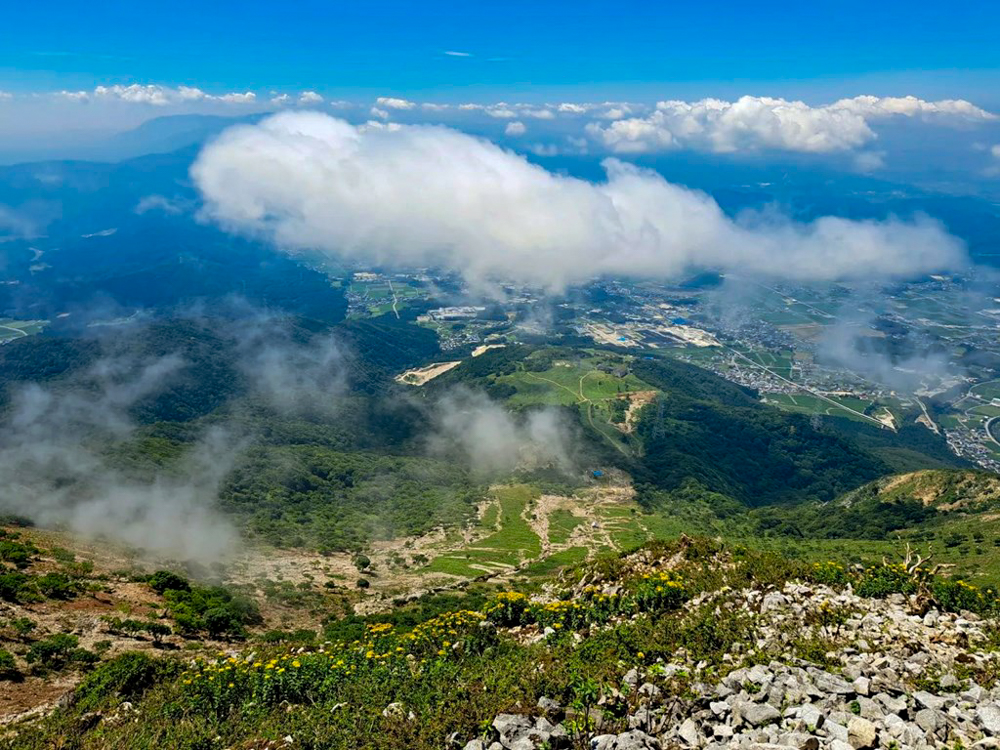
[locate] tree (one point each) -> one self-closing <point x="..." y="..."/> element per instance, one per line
<point x="157" y="629"/>
<point x="164" y="580"/>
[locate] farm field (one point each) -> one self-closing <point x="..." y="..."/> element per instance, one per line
<point x="16" y="329"/>
<point x="533" y="534"/>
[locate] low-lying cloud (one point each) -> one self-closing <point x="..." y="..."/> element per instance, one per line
<point x="55" y="468"/>
<point x="292" y="377"/>
<point x="495" y="442"/>
<point x="432" y="196"/>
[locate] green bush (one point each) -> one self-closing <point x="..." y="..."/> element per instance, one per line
<point x="57" y="651"/>
<point x="956" y="595"/>
<point x="56" y="586"/>
<point x="16" y="553"/>
<point x="124" y="677"/>
<point x="882" y="580"/>
<point x="8" y="667"/>
<point x="158" y="630"/>
<point x="163" y="580"/>
<point x="22" y="626"/>
<point x="11" y="585"/>
<point x="213" y="609"/>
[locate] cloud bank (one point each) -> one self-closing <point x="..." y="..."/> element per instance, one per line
<point x="431" y="196"/>
<point x="156" y="95"/>
<point x="756" y="123"/>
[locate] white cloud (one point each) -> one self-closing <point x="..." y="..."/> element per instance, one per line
<point x="753" y="123"/>
<point x="575" y="109"/>
<point x="154" y="94"/>
<point x="911" y="106"/>
<point x="453" y="53"/>
<point x="381" y="113"/>
<point x="748" y="123"/>
<point x="501" y="111"/>
<point x="996" y="151"/>
<point x="538" y="114"/>
<point x="515" y="128"/>
<point x="190" y="93"/>
<point x="617" y="111"/>
<point x="869" y="161"/>
<point x="389" y="102"/>
<point x="310" y="97"/>
<point x="377" y="125"/>
<point x="138" y="94"/>
<point x="544" y="149"/>
<point x="431" y="196"/>
<point x="171" y="206"/>
<point x="280" y="100"/>
<point x="5" y="95"/>
<point x="247" y="97"/>
<point x="73" y="96"/>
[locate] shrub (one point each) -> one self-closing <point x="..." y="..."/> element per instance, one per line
<point x="16" y="553"/>
<point x="829" y="572"/>
<point x="508" y="609"/>
<point x="163" y="580"/>
<point x="882" y="580"/>
<point x="8" y="667"/>
<point x="158" y="630"/>
<point x="212" y="608"/>
<point x="658" y="592"/>
<point x="56" y="586"/>
<point x="221" y="621"/>
<point x="956" y="595"/>
<point x="22" y="626"/>
<point x="124" y="677"/>
<point x="12" y="585"/>
<point x="58" y="650"/>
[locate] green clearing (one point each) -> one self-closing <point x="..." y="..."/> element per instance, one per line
<point x="788" y="316"/>
<point x="569" y="382"/>
<point x="852" y="403"/>
<point x="561" y="525"/>
<point x="508" y="547"/>
<point x="490" y="516"/>
<point x="554" y="562"/>
<point x="15" y="329"/>
<point x="579" y="382"/>
<point x="988" y="390"/>
<point x="804" y="403"/>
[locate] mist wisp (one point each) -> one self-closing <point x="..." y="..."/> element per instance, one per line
<point x="57" y="467"/>
<point x="493" y="441"/>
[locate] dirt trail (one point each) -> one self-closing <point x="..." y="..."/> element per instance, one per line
<point x="636" y="400"/>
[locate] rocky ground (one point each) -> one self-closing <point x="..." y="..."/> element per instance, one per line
<point x="893" y="679"/>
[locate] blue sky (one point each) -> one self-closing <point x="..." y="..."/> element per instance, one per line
<point x="527" y="50"/>
<point x="820" y="81"/>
